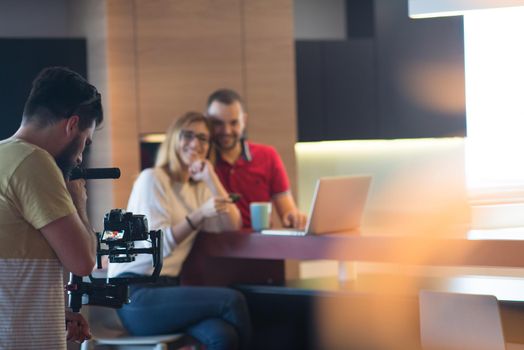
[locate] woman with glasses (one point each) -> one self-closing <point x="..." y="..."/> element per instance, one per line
<point x="180" y="196"/>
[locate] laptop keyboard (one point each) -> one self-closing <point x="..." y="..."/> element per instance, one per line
<point x="284" y="232"/>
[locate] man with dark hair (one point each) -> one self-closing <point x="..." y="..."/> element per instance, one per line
<point x="252" y="170"/>
<point x="43" y="218"/>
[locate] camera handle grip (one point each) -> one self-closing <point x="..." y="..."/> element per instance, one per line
<point x="75" y="291"/>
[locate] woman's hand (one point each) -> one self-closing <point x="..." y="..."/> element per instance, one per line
<point x="215" y="206"/>
<point x="200" y="170"/>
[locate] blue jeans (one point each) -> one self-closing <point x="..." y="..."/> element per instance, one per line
<point x="217" y="317"/>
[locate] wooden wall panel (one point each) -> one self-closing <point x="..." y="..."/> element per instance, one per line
<point x="122" y="96"/>
<point x="164" y="58"/>
<point x="270" y="76"/>
<point x="186" y="49"/>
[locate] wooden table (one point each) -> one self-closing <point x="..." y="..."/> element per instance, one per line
<point x="246" y="257"/>
<point x="256" y="262"/>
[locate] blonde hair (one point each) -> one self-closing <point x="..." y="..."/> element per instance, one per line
<point x="167" y="157"/>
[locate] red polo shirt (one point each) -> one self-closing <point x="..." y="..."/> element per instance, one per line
<point x="258" y="175"/>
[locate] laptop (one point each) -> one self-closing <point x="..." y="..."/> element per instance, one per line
<point x="452" y="321"/>
<point x="338" y="204"/>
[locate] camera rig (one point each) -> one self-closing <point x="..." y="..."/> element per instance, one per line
<point x="121" y="230"/>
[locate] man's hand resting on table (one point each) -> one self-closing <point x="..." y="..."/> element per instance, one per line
<point x="294" y="219"/>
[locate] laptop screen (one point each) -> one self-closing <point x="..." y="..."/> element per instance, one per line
<point x="338" y="204"/>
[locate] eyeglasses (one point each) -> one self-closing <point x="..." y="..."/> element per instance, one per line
<point x="188" y="136"/>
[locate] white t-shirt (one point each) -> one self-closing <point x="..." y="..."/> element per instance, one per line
<point x="165" y="204"/>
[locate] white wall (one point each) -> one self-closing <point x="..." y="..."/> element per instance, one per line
<point x="88" y="20"/>
<point x="320" y="19"/>
<point x="33" y="18"/>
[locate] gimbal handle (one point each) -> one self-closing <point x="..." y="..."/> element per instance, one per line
<point x="113" y="292"/>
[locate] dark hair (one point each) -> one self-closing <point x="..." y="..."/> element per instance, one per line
<point x="225" y="96"/>
<point x="58" y="93"/>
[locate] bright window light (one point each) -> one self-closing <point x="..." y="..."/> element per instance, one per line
<point x="443" y="8"/>
<point x="494" y="54"/>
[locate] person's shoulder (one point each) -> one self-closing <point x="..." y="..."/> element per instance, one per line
<point x="261" y="148"/>
<point x="149" y="174"/>
<point x="266" y="154"/>
<point x="20" y="152"/>
<point x="153" y="176"/>
<point x="30" y="164"/>
<point x="21" y="149"/>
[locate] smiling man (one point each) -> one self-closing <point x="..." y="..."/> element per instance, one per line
<point x="43" y="219"/>
<point x="254" y="171"/>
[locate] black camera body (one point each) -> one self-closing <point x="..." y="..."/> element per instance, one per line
<point x="121" y="230"/>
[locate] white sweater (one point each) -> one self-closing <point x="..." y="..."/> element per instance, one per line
<point x="165" y="204"/>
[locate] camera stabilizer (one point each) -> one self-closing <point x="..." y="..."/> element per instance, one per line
<point x="121" y="230"/>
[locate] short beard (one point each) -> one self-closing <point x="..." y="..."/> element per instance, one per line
<point x="229" y="148"/>
<point x="65" y="160"/>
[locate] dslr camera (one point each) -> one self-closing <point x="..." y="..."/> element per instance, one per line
<point x="121" y="230"/>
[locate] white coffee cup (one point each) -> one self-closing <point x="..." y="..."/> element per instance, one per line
<point x="260" y="215"/>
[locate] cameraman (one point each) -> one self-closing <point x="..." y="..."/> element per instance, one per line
<point x="43" y="221"/>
